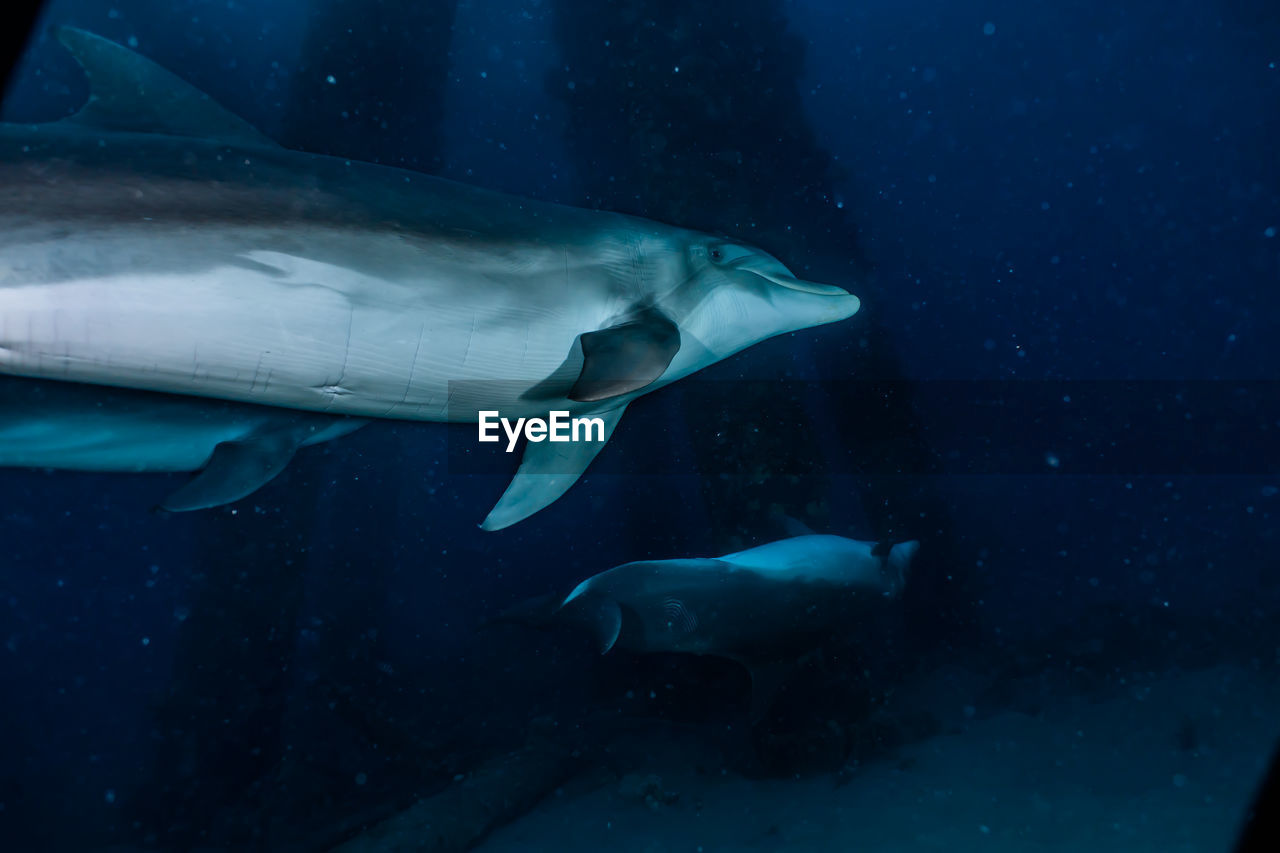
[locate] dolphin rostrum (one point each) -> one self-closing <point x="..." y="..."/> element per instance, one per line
<point x="757" y="607"/>
<point x="155" y="241"/>
<point x="236" y="447"/>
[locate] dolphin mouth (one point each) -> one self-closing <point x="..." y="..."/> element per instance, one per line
<point x="807" y="286"/>
<point x="784" y="278"/>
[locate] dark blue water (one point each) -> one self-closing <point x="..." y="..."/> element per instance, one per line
<point x="1041" y="191"/>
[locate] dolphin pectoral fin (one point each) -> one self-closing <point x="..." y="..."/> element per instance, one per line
<point x="130" y="93"/>
<point x="546" y="472"/>
<point x="897" y="565"/>
<point x="607" y="624"/>
<point x="235" y="470"/>
<point x="625" y="357"/>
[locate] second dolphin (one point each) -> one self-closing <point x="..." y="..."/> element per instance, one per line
<point x="761" y="607"/>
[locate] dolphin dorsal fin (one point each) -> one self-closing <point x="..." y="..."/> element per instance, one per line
<point x="790" y="524"/>
<point x="129" y="93"/>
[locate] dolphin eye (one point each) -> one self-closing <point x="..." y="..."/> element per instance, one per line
<point x="717" y="254"/>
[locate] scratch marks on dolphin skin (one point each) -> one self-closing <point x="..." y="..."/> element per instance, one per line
<point x="244" y="261"/>
<point x="257" y="369"/>
<point x="413" y="366"/>
<point x="471" y="337"/>
<point x="334" y="390"/>
<point x="637" y="265"/>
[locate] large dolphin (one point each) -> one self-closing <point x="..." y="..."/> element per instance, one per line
<point x="235" y="447"/>
<point x="155" y="241"/>
<point x="760" y="607"/>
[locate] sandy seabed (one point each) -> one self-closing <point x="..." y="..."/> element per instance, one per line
<point x="1162" y="764"/>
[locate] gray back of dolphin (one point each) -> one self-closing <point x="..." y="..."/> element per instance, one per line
<point x="155" y="241"/>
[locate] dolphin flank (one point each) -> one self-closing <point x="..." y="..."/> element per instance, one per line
<point x="155" y="241"/>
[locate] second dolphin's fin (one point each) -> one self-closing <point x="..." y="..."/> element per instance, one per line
<point x="606" y="624"/>
<point x="897" y="565"/>
<point x="791" y="525"/>
<point x="626" y="357"/>
<point x="236" y="469"/>
<point x="546" y="472"/>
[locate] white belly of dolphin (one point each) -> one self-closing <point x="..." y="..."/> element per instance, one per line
<point x="280" y="330"/>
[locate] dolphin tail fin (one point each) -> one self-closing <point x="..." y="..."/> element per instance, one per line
<point x="898" y="565"/>
<point x="546" y="472"/>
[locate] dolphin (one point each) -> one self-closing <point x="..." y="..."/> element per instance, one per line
<point x="235" y="447"/>
<point x="758" y="607"/>
<point x="155" y="241"/>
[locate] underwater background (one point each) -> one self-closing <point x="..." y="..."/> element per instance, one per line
<point x="1062" y="220"/>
